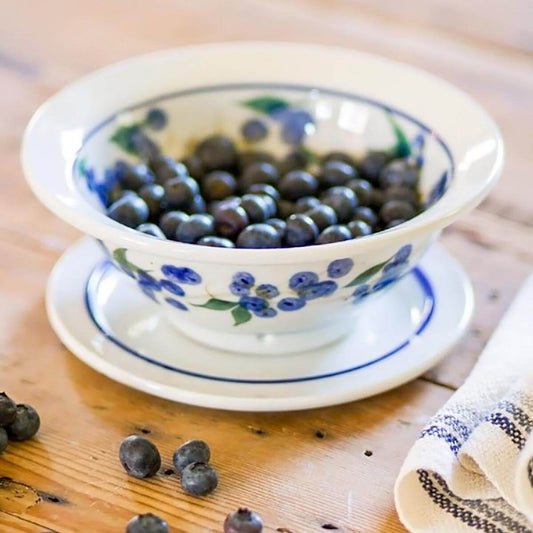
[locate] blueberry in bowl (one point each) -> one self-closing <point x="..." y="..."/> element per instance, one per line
<point x="208" y="186"/>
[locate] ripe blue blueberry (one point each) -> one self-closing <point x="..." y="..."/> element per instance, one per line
<point x="26" y="423"/>
<point x="156" y="119"/>
<point x="230" y="221"/>
<point x="295" y="160"/>
<point x="250" y="157"/>
<point x="171" y="287"/>
<point x="301" y="230"/>
<point x="267" y="291"/>
<point x="362" y="189"/>
<point x="253" y="303"/>
<point x="306" y="203"/>
<point x="216" y="242"/>
<point x="340" y="267"/>
<point x="180" y="192"/>
<point x="302" y="280"/>
<point x="244" y="279"/>
<point x="254" y="130"/>
<point x="152" y="230"/>
<point x="153" y="195"/>
<point x="264" y="189"/>
<point x="129" y="210"/>
<point x="243" y="521"/>
<point x="259" y="236"/>
<point x="291" y="304"/>
<point x="285" y="209"/>
<point x="169" y="169"/>
<point x="139" y="457"/>
<point x="256" y="207"/>
<point x="395" y="222"/>
<point x="218" y="185"/>
<point x="217" y="153"/>
<point x="196" y="227"/>
<point x="399" y="172"/>
<point x="296" y="124"/>
<point x="260" y="172"/>
<point x="8" y="409"/>
<point x="396" y="209"/>
<point x="147" y="523"/>
<point x="176" y="303"/>
<point x="279" y="225"/>
<point x="334" y="173"/>
<point x="343" y="157"/>
<point x="372" y="164"/>
<point x="342" y="200"/>
<point x="366" y="214"/>
<point x="3" y="439"/>
<point x="335" y="233"/>
<point x="134" y="177"/>
<point x="199" y="479"/>
<point x="193" y="451"/>
<point x="400" y="192"/>
<point x="297" y="184"/>
<point x="181" y="274"/>
<point x="194" y="167"/>
<point x="358" y="228"/>
<point x="170" y="221"/>
<point x="323" y="216"/>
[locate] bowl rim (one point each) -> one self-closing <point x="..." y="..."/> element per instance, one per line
<point x="102" y="227"/>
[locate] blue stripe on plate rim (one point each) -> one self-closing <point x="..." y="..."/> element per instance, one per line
<point x="99" y="271"/>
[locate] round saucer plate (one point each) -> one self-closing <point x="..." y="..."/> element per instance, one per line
<point x="103" y="318"/>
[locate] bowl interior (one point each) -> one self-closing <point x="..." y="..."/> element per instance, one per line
<point x="321" y="119"/>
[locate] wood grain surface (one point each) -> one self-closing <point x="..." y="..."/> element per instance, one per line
<point x="300" y="471"/>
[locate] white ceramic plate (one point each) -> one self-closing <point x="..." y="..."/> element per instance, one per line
<point x="104" y="320"/>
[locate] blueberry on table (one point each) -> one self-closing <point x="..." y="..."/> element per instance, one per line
<point x="260" y="172"/>
<point x="139" y="457"/>
<point x="153" y="195"/>
<point x="335" y="173"/>
<point x="259" y="236"/>
<point x="26" y="423"/>
<point x="193" y="451"/>
<point x="372" y="164"/>
<point x="396" y="209"/>
<point x="323" y="216"/>
<point x="295" y="160"/>
<point x="194" y="167"/>
<point x="196" y="227"/>
<point x="297" y="184"/>
<point x="306" y="203"/>
<point x="366" y="214"/>
<point x="264" y="188"/>
<point x="343" y="157"/>
<point x="257" y="207"/>
<point x="199" y="479"/>
<point x="243" y="521"/>
<point x="170" y="221"/>
<point x="399" y="172"/>
<point x="301" y="230"/>
<point x="180" y="192"/>
<point x="151" y="229"/>
<point x="8" y="409"/>
<point x="279" y="225"/>
<point x="3" y="439"/>
<point x="134" y="177"/>
<point x="147" y="523"/>
<point x="254" y="130"/>
<point x="218" y="185"/>
<point x="216" y="242"/>
<point x="217" y="153"/>
<point x="342" y="200"/>
<point x="362" y="189"/>
<point x="335" y="233"/>
<point x="359" y="228"/>
<point x="230" y="221"/>
<point x="129" y="210"/>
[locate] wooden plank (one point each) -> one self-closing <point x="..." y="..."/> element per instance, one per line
<point x="14" y="524"/>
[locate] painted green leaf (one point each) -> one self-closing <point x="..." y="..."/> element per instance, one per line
<point x="218" y="305"/>
<point x="119" y="255"/>
<point x="266" y="104"/>
<point x="402" y="147"/>
<point x="241" y="315"/>
<point x="124" y="137"/>
<point x="366" y="275"/>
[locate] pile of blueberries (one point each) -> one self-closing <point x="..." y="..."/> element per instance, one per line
<point x="141" y="459"/>
<point x="218" y="196"/>
<point x="18" y="422"/>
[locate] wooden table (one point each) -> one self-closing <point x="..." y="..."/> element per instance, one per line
<point x="302" y="470"/>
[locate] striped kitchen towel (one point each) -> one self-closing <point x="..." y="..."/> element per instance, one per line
<point x="472" y="467"/>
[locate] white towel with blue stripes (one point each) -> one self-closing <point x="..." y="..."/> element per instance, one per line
<point x="472" y="467"/>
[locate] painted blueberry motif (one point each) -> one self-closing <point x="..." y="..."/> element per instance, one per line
<point x="291" y="304"/>
<point x="267" y="312"/>
<point x="172" y="287"/>
<point x="296" y="124"/>
<point x="318" y="290"/>
<point x="156" y="119"/>
<point x="340" y="267"/>
<point x="402" y="255"/>
<point x="176" y="303"/>
<point x="382" y="283"/>
<point x="181" y="274"/>
<point x="245" y="279"/>
<point x="302" y="280"/>
<point x="238" y="289"/>
<point x="267" y="291"/>
<point x="360" y="292"/>
<point x="253" y="303"/>
<point x="148" y="281"/>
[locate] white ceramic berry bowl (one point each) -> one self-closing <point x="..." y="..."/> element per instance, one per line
<point x="262" y="301"/>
